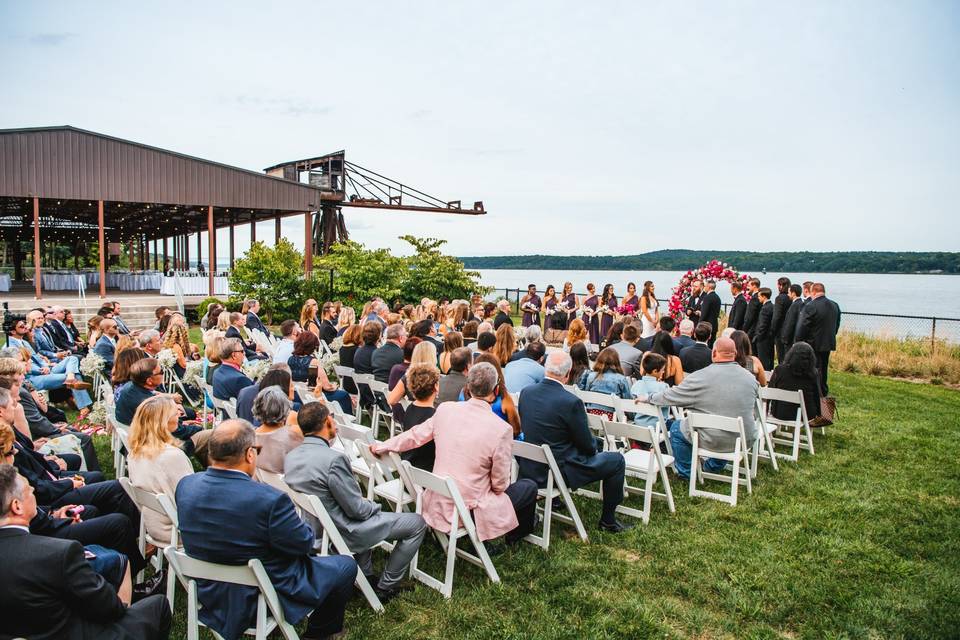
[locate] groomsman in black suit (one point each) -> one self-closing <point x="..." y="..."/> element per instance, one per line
<point x="819" y="324"/>
<point x="780" y="306"/>
<point x="762" y="335"/>
<point x="753" y="307"/>
<point x="710" y="308"/>
<point x="739" y="307"/>
<point x="788" y="329"/>
<point x="692" y="310"/>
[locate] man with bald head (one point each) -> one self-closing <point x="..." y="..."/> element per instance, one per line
<point x="227" y="518"/>
<point x="818" y="325"/>
<point x="106" y="346"/>
<point x="724" y="389"/>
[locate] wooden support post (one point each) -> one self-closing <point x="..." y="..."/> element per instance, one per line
<point x="307" y="243"/>
<point x="186" y="252"/>
<point x="276" y="238"/>
<point x="165" y="257"/>
<point x="199" y="245"/>
<point x="253" y="230"/>
<point x="156" y="254"/>
<point x="211" y="237"/>
<point x="37" y="277"/>
<point x="103" y="250"/>
<point x="232" y="220"/>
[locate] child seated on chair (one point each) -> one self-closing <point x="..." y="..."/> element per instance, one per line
<point x="652" y="367"/>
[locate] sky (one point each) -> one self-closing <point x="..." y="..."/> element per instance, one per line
<point x="585" y="128"/>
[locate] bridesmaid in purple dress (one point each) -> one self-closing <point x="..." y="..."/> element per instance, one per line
<point x="632" y="298"/>
<point x="551" y="320"/>
<point x="592" y="321"/>
<point x="529" y="301"/>
<point x="570" y="300"/>
<point x="607" y="301"/>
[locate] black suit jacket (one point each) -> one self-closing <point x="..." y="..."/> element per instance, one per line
<point x="695" y="357"/>
<point x="737" y="311"/>
<point x="254" y="322"/>
<point x="328" y="332"/>
<point x="763" y="329"/>
<point x="788" y="329"/>
<point x="819" y="323"/>
<point x="710" y="310"/>
<point x="33" y="467"/>
<point x="752" y="315"/>
<point x="500" y="319"/>
<point x="383" y="360"/>
<point x="49" y="590"/>
<point x="59" y="335"/>
<point x="780" y="307"/>
<point x="692" y="308"/>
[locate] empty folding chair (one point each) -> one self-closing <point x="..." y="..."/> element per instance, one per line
<point x="269" y="610"/>
<point x="739" y="457"/>
<point x="228" y="407"/>
<point x="794" y="433"/>
<point x="382" y="411"/>
<point x="461" y="525"/>
<point x="145" y="500"/>
<point x="348" y="384"/>
<point x="647" y="465"/>
<point x="763" y="446"/>
<point x="555" y="488"/>
<point x="650" y="411"/>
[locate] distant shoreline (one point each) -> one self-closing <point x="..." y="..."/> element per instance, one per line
<point x="866" y="273"/>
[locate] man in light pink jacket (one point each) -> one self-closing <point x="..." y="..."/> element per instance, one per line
<point x="474" y="448"/>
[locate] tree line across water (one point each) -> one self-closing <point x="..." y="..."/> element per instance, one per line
<point x="745" y="261"/>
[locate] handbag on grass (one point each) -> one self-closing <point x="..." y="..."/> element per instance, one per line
<point x="828" y="412"/>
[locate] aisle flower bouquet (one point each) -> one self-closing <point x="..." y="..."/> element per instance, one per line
<point x="194" y="373"/>
<point x="336" y="344"/>
<point x="327" y="363"/>
<point x="167" y="358"/>
<point x="91" y="365"/>
<point x="256" y="369"/>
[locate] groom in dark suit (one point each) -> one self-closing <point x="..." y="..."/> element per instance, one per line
<point x="710" y="308"/>
<point x="550" y="414"/>
<point x="753" y="307"/>
<point x="739" y="307"/>
<point x="763" y="335"/>
<point x="692" y="308"/>
<point x="781" y="305"/>
<point x="254" y="520"/>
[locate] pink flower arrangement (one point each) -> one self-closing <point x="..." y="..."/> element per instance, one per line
<point x="626" y="309"/>
<point x="713" y="270"/>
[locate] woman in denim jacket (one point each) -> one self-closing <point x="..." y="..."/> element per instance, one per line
<point x="606" y="377"/>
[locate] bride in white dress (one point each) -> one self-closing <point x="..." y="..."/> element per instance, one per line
<point x="649" y="310"/>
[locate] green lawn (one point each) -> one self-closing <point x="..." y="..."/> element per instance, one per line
<point x="860" y="541"/>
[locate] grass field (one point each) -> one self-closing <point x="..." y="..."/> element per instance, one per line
<point x="861" y="540"/>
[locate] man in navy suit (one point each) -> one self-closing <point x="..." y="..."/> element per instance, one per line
<point x="107" y="344"/>
<point x="550" y="414"/>
<point x="228" y="379"/>
<point x="253" y="319"/>
<point x="227" y="518"/>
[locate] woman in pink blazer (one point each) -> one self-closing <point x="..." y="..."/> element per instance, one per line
<point x="474" y="448"/>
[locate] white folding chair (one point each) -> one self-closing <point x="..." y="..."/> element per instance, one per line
<point x="362" y="382"/>
<point x="345" y="374"/>
<point x="123" y="436"/>
<point x="642" y="464"/>
<point x="172" y="382"/>
<point x="226" y="406"/>
<point x="389" y="479"/>
<point x="738" y="457"/>
<point x="350" y="439"/>
<point x="556" y="488"/>
<point x="594" y="421"/>
<point x="381" y="408"/>
<point x="763" y="446"/>
<point x="269" y="614"/>
<point x="145" y="500"/>
<point x="646" y="409"/>
<point x="461" y="524"/>
<point x="794" y="433"/>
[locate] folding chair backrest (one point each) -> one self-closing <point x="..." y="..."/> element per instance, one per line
<point x="719" y="423"/>
<point x="275" y="480"/>
<point x="380" y="391"/>
<point x="602" y="399"/>
<point x="629" y="431"/>
<point x="123" y="432"/>
<point x="530" y="452"/>
<point x="355" y="433"/>
<point x="781" y="395"/>
<point x="142" y="498"/>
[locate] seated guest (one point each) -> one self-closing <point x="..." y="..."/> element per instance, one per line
<point x="415" y="352"/>
<point x="473" y="447"/>
<point x="685" y="339"/>
<point x="506" y="344"/>
<point x="452" y="341"/>
<point x="43" y="373"/>
<point x="276" y="436"/>
<point x="503" y="405"/>
<point x="121" y="368"/>
<point x="606" y="378"/>
<point x="48" y="588"/>
<point x="723" y="389"/>
<point x="149" y="341"/>
<point x="159" y="313"/>
<point x="651" y="370"/>
<point x="252" y="320"/>
<point x="154" y="462"/>
<point x="746" y="359"/>
<point x="470" y="332"/>
<point x="278" y="375"/>
<point x="613" y="335"/>
<point x="254" y="520"/>
<point x="526" y="370"/>
<point x="107" y="343"/>
<point x="424" y="384"/>
<point x="452" y="384"/>
<point x="328" y="319"/>
<point x="798" y="372"/>
<point x="228" y="378"/>
<point x="43" y="340"/>
<point x="581" y="363"/>
<point x="576" y="332"/>
<point x="304" y="360"/>
<point x="552" y="415"/>
<point x="62" y="337"/>
<point x="533" y="335"/>
<point x="698" y="355"/>
<point x="289" y="330"/>
<point x="629" y="355"/>
<point x="363" y="358"/>
<point x="663" y="344"/>
<point x="250" y="348"/>
<point x="486" y="342"/>
<point x="665" y="324"/>
<point x="352" y="339"/>
<point x="316" y="469"/>
<point x="390" y="353"/>
<point x="503" y="314"/>
<point x="346" y="318"/>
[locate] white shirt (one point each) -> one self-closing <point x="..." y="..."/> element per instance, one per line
<point x="283" y="352"/>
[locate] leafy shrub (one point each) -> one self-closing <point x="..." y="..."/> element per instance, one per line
<point x="205" y="303"/>
<point x="272" y="275"/>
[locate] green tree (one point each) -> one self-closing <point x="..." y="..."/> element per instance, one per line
<point x="272" y="275"/>
<point x="432" y="274"/>
<point x="360" y="274"/>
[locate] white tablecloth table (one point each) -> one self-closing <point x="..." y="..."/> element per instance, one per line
<point x="115" y="280"/>
<point x="195" y="285"/>
<point x="4" y="282"/>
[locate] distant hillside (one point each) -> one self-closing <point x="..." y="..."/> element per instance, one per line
<point x="788" y="261"/>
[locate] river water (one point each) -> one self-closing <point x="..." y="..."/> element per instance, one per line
<point x="896" y="294"/>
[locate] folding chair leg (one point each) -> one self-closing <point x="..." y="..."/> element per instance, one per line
<point x="735" y="478"/>
<point x="193" y="630"/>
<point x="648" y="494"/>
<point x="666" y="489"/>
<point x="368" y="592"/>
<point x="447" y="590"/>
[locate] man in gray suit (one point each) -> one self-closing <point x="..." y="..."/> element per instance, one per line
<point x="316" y="469"/>
<point x="723" y="389"/>
<point x="629" y="354"/>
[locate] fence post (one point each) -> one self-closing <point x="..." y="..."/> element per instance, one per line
<point x="933" y="337"/>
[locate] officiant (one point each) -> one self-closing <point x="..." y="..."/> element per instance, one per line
<point x="530" y="304"/>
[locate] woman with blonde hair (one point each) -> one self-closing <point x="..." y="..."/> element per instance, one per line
<point x="346" y="319"/>
<point x="424" y="353"/>
<point x="93" y="330"/>
<point x="506" y="344"/>
<point x="451" y="341"/>
<point x="155" y="463"/>
<point x="178" y="341"/>
<point x="308" y="317"/>
<point x="125" y="342"/>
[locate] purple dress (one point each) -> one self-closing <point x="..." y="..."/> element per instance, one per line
<point x="634" y="302"/>
<point x="550" y="320"/>
<point x="530" y="318"/>
<point x="593" y="323"/>
<point x="606" y="320"/>
<point x="571" y="302"/>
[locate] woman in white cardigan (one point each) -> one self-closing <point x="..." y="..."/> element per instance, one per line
<point x="155" y="462"/>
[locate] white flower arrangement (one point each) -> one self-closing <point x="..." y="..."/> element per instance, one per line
<point x="91" y="365"/>
<point x="167" y="358"/>
<point x="336" y="344"/>
<point x="529" y="307"/>
<point x="98" y="414"/>
<point x="194" y="372"/>
<point x="256" y="369"/>
<point x="328" y="362"/>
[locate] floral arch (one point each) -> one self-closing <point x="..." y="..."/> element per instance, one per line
<point x="713" y="270"/>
